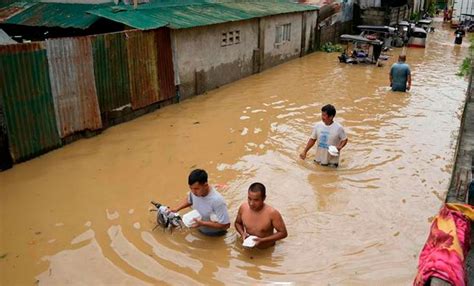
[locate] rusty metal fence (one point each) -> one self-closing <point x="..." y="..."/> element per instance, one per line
<point x="54" y="89"/>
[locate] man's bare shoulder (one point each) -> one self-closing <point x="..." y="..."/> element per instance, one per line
<point x="244" y="207"/>
<point x="273" y="211"/>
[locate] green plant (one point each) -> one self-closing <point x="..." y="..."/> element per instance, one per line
<point x="471" y="46"/>
<point x="432" y="9"/>
<point x="330" y="47"/>
<point x="465" y="68"/>
<point x="415" y="16"/>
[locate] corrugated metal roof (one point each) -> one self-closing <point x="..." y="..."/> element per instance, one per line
<point x="153" y="16"/>
<point x="11" y="10"/>
<point x="5" y="39"/>
<point x="53" y="15"/>
<point x="71" y="71"/>
<point x="143" y="69"/>
<point x="27" y="100"/>
<point x="111" y="71"/>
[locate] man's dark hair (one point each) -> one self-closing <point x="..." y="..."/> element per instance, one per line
<point x="197" y="175"/>
<point x="329" y="110"/>
<point x="258" y="187"/>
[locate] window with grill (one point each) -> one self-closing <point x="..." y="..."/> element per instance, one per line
<point x="283" y="33"/>
<point x="230" y="38"/>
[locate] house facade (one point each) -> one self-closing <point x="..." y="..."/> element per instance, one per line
<point x="211" y="56"/>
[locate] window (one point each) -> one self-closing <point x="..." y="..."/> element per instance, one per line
<point x="224" y="40"/>
<point x="236" y="37"/>
<point x="283" y="33"/>
<point x="230" y="38"/>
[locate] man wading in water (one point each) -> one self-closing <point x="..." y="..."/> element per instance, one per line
<point x="327" y="133"/>
<point x="257" y="218"/>
<point x="400" y="75"/>
<point x="208" y="202"/>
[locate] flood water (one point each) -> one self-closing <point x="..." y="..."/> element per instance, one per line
<point x="80" y="215"/>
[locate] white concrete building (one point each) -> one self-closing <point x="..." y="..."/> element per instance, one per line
<point x="210" y="56"/>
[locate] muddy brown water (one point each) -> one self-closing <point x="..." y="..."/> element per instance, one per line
<point x="79" y="215"/>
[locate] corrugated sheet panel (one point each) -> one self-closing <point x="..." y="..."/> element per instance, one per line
<point x="5" y="39"/>
<point x="71" y="71"/>
<point x="111" y="71"/>
<point x="165" y="64"/>
<point x="186" y="16"/>
<point x="8" y="11"/>
<point x="56" y="15"/>
<point x="142" y="55"/>
<point x="26" y="97"/>
<point x="138" y="19"/>
<point x="5" y="156"/>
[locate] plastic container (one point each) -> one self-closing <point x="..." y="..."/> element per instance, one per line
<point x="333" y="151"/>
<point x="188" y="218"/>
<point x="249" y="242"/>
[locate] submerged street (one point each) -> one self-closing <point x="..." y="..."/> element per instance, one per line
<point x="80" y="215"/>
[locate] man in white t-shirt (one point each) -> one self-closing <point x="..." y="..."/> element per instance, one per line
<point x="208" y="202"/>
<point x="326" y="133"/>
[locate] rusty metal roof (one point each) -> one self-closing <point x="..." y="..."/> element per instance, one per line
<point x="174" y="14"/>
<point x="49" y="14"/>
<point x="187" y="15"/>
<point x="8" y="11"/>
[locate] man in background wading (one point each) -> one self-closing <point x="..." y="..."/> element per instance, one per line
<point x="400" y="75"/>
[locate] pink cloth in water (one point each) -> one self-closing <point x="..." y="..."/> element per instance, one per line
<point x="447" y="246"/>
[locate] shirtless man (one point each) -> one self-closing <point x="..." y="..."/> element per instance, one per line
<point x="259" y="219"/>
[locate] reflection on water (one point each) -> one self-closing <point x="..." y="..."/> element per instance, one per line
<point x="80" y="215"/>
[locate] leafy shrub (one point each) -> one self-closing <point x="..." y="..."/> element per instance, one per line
<point x="465" y="68"/>
<point x="330" y="47"/>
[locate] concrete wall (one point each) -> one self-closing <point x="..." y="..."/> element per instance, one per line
<point x="373" y="16"/>
<point x="203" y="64"/>
<point x="311" y="29"/>
<point x="275" y="54"/>
<point x="398" y="14"/>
